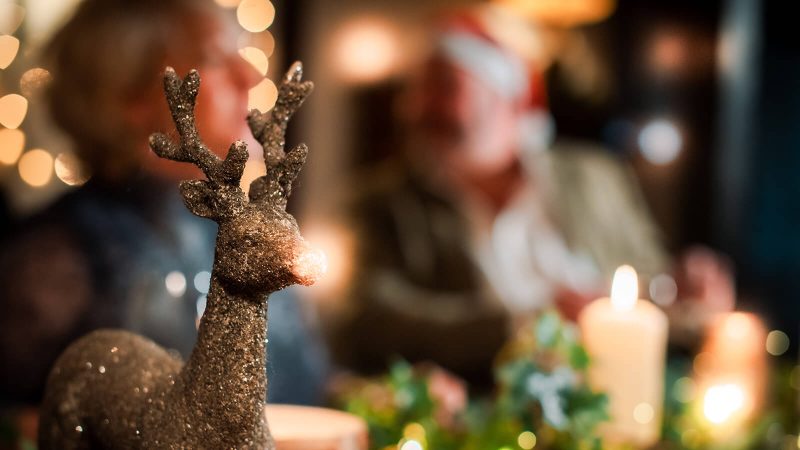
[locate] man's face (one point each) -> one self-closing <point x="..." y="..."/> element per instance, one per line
<point x="462" y="122"/>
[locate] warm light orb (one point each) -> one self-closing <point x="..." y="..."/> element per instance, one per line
<point x="643" y="413"/>
<point x="263" y="96"/>
<point x="9" y="46"/>
<point x="68" y="169"/>
<point x="228" y="3"/>
<point x="415" y="431"/>
<point x="721" y="402"/>
<point x="256" y="57"/>
<point x="13" y="108"/>
<point x="624" y="289"/>
<point x="36" y="167"/>
<point x="562" y="13"/>
<point x="366" y="50"/>
<point x="12" y="142"/>
<point x="255" y="15"/>
<point x="33" y="80"/>
<point x="738" y="326"/>
<point x="338" y="244"/>
<point x="526" y="440"/>
<point x="777" y="343"/>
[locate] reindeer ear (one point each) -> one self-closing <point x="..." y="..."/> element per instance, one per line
<point x="199" y="198"/>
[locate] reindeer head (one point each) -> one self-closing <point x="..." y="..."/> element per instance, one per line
<point x="259" y="247"/>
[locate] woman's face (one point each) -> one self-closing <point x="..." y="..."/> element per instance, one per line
<point x="222" y="102"/>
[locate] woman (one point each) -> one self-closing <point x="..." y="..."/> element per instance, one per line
<point x="122" y="250"/>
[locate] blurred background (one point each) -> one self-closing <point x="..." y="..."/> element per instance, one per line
<point x="701" y="98"/>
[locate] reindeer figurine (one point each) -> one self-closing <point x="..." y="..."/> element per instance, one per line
<point x="115" y="389"/>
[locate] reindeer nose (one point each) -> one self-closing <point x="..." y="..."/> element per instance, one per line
<point x="309" y="265"/>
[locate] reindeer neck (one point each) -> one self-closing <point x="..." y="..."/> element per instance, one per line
<point x="227" y="367"/>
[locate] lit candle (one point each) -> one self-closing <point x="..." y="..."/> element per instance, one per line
<point x="307" y="428"/>
<point x="627" y="340"/>
<point x="731" y="371"/>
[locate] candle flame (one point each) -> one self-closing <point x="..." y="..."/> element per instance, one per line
<point x="624" y="288"/>
<point x="722" y="402"/>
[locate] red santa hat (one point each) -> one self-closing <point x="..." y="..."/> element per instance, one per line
<point x="506" y="53"/>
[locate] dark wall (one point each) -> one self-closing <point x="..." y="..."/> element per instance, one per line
<point x="770" y="260"/>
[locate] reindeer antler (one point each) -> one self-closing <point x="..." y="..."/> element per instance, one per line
<point x="270" y="131"/>
<point x="220" y="197"/>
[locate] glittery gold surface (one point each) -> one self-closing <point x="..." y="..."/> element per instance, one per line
<point x="114" y="389"/>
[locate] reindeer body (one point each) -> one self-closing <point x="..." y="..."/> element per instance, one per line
<point x="115" y="389"/>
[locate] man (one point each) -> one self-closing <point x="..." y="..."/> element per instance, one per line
<point x="484" y="224"/>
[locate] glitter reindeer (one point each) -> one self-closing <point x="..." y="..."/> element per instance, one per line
<point x="115" y="389"/>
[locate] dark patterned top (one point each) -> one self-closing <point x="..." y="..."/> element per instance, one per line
<point x="127" y="255"/>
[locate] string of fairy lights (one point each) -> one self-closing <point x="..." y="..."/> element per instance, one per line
<point x="44" y="168"/>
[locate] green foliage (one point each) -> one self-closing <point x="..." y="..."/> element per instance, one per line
<point x="540" y="388"/>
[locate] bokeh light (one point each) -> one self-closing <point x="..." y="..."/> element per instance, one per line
<point x="175" y="282"/>
<point x="411" y="444"/>
<point x="416" y="432"/>
<point x="228" y="3"/>
<point x="36" y="167"/>
<point x="338" y="244"/>
<point x="264" y="41"/>
<point x="777" y="342"/>
<point x="794" y="378"/>
<point x="32" y="81"/>
<point x="255" y="15"/>
<point x="660" y="142"/>
<point x="12" y="142"/>
<point x="663" y="290"/>
<point x="643" y="413"/>
<point x="11" y="16"/>
<point x="562" y="13"/>
<point x="738" y="326"/>
<point x="9" y="46"/>
<point x="526" y="440"/>
<point x="702" y="363"/>
<point x="722" y="402"/>
<point x="13" y="108"/>
<point x="202" y="281"/>
<point x="366" y="50"/>
<point x="669" y="52"/>
<point x="69" y="170"/>
<point x="684" y="390"/>
<point x="263" y="96"/>
<point x="257" y="58"/>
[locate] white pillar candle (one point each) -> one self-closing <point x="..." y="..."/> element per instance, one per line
<point x="626" y="339"/>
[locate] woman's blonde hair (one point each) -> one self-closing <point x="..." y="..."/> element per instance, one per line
<point x="108" y="53"/>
